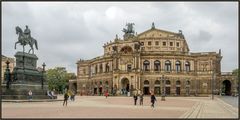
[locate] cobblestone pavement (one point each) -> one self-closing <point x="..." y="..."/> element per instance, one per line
<point x="230" y="100"/>
<point x="121" y="107"/>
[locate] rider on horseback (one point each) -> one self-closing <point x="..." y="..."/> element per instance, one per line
<point x="27" y="33"/>
<point x="25" y="38"/>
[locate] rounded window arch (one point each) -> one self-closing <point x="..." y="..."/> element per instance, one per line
<point x="187" y="66"/>
<point x="157" y="82"/>
<point x="178" y="82"/>
<point x="187" y="82"/>
<point x="126" y="50"/>
<point x="168" y="82"/>
<point x="157" y="65"/>
<point x="178" y="66"/>
<point x="146" y="65"/>
<point x="167" y="65"/>
<point x="146" y="82"/>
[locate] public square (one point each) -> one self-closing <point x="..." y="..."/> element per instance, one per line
<point x="122" y="107"/>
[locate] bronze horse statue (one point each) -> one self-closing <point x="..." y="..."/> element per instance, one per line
<point x="24" y="40"/>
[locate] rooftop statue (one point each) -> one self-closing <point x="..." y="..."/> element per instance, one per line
<point x="129" y="32"/>
<point x="129" y="28"/>
<point x="25" y="38"/>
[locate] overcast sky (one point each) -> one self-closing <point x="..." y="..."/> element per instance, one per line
<point x="68" y="31"/>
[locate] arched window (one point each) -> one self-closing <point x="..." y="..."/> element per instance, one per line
<point x="157" y="82"/>
<point x="146" y="82"/>
<point x="168" y="82"/>
<point x="178" y="66"/>
<point x="126" y="50"/>
<point x="146" y="65"/>
<point x="187" y="66"/>
<point x="157" y="65"/>
<point x="107" y="67"/>
<point x="167" y="65"/>
<point x="129" y="67"/>
<point x="101" y="68"/>
<point x="178" y="82"/>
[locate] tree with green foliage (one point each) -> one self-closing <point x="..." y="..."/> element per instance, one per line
<point x="57" y="79"/>
<point x="236" y="72"/>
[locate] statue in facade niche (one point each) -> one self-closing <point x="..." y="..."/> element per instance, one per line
<point x="25" y="38"/>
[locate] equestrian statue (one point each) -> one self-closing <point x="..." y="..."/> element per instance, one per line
<point x="25" y="38"/>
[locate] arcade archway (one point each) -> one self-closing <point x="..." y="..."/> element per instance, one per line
<point x="157" y="88"/>
<point x="146" y="87"/>
<point x="226" y="87"/>
<point x="125" y="86"/>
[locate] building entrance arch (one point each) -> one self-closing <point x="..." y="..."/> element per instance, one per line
<point x="146" y="87"/>
<point x="178" y="87"/>
<point x="226" y="87"/>
<point x="125" y="86"/>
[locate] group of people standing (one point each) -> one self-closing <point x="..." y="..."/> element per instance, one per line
<point x="152" y="97"/>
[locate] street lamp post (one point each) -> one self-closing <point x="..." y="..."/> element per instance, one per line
<point x="43" y="73"/>
<point x="163" y="91"/>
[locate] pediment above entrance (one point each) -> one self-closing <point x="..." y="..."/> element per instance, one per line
<point x="157" y="33"/>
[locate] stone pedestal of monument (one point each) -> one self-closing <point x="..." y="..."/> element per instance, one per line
<point x="26" y="77"/>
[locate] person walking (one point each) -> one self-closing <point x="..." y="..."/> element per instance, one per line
<point x="65" y="98"/>
<point x="30" y="95"/>
<point x="106" y="94"/>
<point x="141" y="99"/>
<point x="153" y="99"/>
<point x="135" y="99"/>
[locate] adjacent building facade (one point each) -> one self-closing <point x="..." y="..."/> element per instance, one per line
<point x="4" y="65"/>
<point x="156" y="61"/>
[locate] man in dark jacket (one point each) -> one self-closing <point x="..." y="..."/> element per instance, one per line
<point x="153" y="99"/>
<point x="135" y="99"/>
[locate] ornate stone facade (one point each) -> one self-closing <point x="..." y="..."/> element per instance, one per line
<point x="148" y="61"/>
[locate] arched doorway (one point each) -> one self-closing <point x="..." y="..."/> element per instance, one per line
<point x="226" y="87"/>
<point x="178" y="87"/>
<point x="125" y="86"/>
<point x="157" y="89"/>
<point x="168" y="87"/>
<point x="187" y="87"/>
<point x="146" y="87"/>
